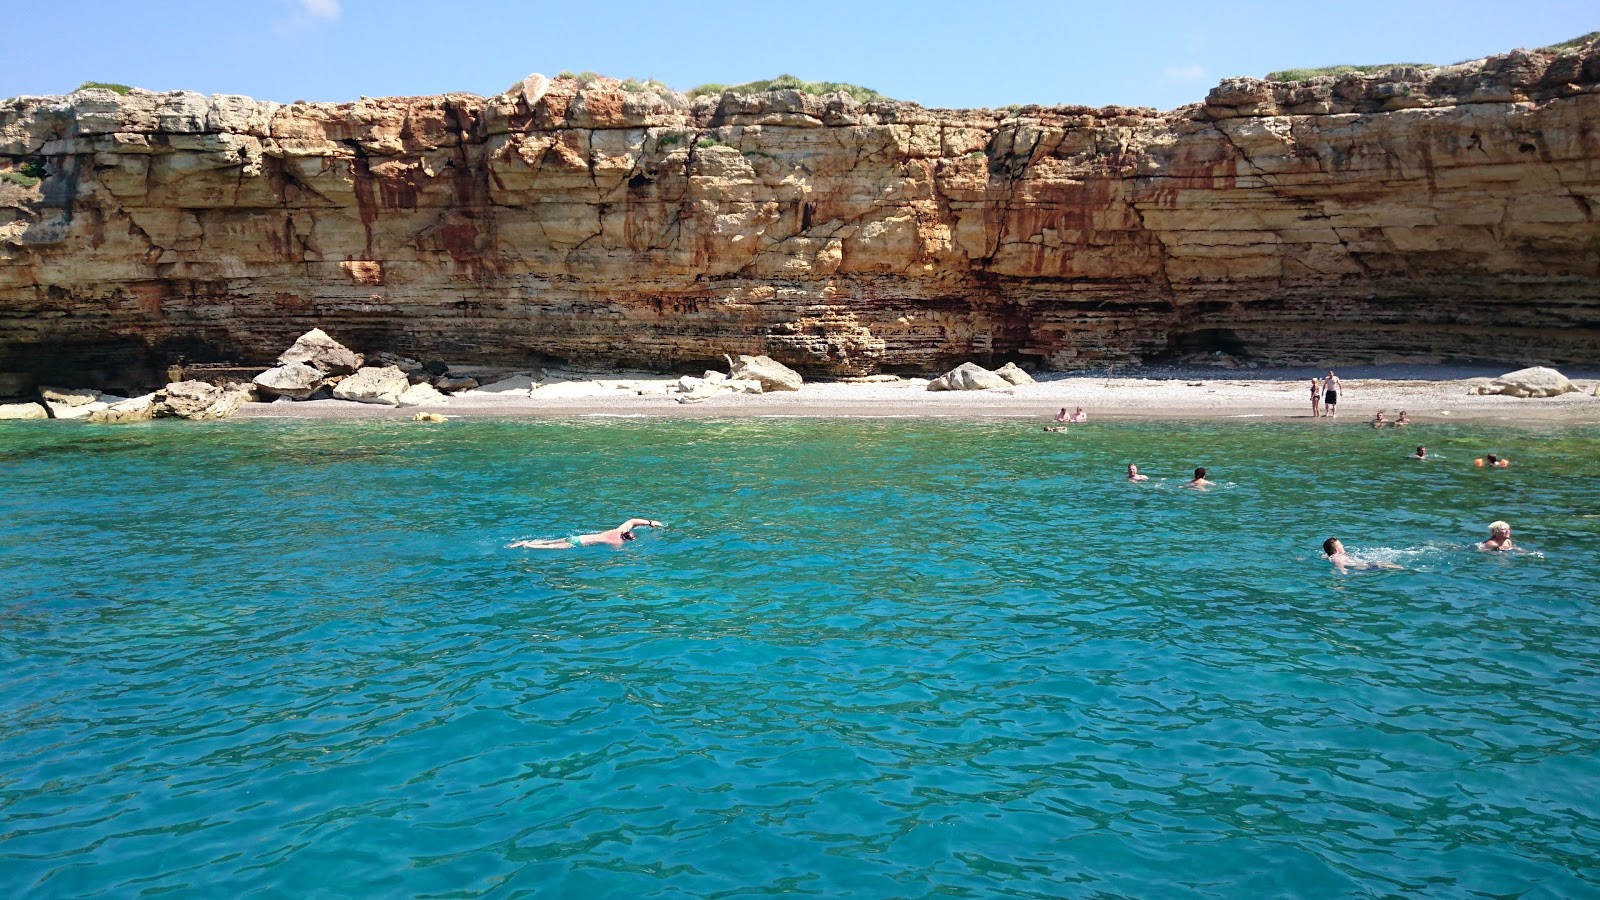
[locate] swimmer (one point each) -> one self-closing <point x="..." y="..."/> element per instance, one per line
<point x="1062" y="416"/>
<point x="1341" y="561"/>
<point x="1133" y="473"/>
<point x="1378" y="421"/>
<point x="1499" y="537"/>
<point x="1493" y="462"/>
<point x="1079" y="416"/>
<point x="1062" y="429"/>
<point x="613" y="537"/>
<point x="1200" y="483"/>
<point x="1422" y="453"/>
<point x="1402" y="420"/>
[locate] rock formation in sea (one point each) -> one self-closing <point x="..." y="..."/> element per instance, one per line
<point x="1438" y="213"/>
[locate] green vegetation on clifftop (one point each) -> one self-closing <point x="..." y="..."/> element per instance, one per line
<point x="790" y="83"/>
<point x="1308" y="74"/>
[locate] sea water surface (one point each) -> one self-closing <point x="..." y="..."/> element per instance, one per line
<point x="867" y="658"/>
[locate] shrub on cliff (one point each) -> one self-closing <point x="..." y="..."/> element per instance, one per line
<point x="104" y="86"/>
<point x="790" y="83"/>
<point x="1308" y="74"/>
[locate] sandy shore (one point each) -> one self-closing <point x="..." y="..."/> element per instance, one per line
<point x="1428" y="394"/>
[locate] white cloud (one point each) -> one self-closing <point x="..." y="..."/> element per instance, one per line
<point x="1191" y="72"/>
<point x="321" y="9"/>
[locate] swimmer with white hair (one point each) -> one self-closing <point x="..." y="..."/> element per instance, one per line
<point x="1499" y="537"/>
<point x="1133" y="473"/>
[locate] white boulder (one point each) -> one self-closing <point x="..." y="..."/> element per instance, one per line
<point x="968" y="377"/>
<point x="773" y="375"/>
<point x="198" y="400"/>
<point x="22" y="411"/>
<point x="315" y="348"/>
<point x="136" y="409"/>
<point x="296" y="380"/>
<point x="1536" y="381"/>
<point x="1014" y="374"/>
<point x="423" y="395"/>
<point x="373" y="385"/>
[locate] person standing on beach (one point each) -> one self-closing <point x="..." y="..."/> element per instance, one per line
<point x="1316" y="399"/>
<point x="1200" y="483"/>
<point x="1499" y="537"/>
<point x="613" y="537"/>
<point x="1133" y="473"/>
<point x="1330" y="395"/>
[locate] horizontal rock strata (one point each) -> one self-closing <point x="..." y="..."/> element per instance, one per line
<point x="1445" y="213"/>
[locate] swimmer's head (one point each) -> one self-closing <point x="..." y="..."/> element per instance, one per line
<point x="1133" y="469"/>
<point x="1200" y="472"/>
<point x="1492" y="459"/>
<point x="1499" y="527"/>
<point x="1421" y="450"/>
<point x="628" y="535"/>
<point x="1332" y="547"/>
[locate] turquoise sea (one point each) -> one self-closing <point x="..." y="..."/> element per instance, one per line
<point x="891" y="658"/>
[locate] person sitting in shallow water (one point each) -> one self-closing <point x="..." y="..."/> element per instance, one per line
<point x="1378" y="421"/>
<point x="1342" y="561"/>
<point x="1402" y="420"/>
<point x="1079" y="416"/>
<point x="1499" y="537"/>
<point x="1200" y="483"/>
<point x="1133" y="473"/>
<point x="614" y="537"/>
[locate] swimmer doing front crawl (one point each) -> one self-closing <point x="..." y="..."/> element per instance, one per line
<point x="613" y="537"/>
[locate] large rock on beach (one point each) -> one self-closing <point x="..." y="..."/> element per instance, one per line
<point x="22" y="411"/>
<point x="1014" y="374"/>
<point x="773" y="375"/>
<point x="450" y="384"/>
<point x="422" y="395"/>
<point x="315" y="348"/>
<point x="59" y="396"/>
<point x="521" y="383"/>
<point x="124" y="412"/>
<point x="968" y="377"/>
<point x="1535" y="381"/>
<point x="295" y="380"/>
<point x="373" y="385"/>
<point x="199" y="401"/>
<point x="75" y="410"/>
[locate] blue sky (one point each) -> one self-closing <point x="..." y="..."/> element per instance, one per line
<point x="942" y="54"/>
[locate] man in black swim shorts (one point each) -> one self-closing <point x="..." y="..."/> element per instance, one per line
<point x="1330" y="395"/>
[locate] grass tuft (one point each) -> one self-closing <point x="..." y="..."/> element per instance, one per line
<point x="1308" y="74"/>
<point x="120" y="89"/>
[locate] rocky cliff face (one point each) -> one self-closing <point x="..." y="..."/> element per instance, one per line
<point x="1444" y="213"/>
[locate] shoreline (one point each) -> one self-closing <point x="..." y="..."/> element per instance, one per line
<point x="1209" y="396"/>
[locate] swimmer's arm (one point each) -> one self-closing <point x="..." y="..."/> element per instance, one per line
<point x="634" y="523"/>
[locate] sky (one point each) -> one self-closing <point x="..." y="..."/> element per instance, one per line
<point x="937" y="53"/>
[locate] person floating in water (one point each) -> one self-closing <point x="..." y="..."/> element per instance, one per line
<point x="1422" y="453"/>
<point x="1342" y="561"/>
<point x="1200" y="483"/>
<point x="1133" y="473"/>
<point x="613" y="537"/>
<point x="1499" y="537"/>
<point x="1491" y="461"/>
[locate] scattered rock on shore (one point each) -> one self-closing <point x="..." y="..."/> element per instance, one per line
<point x="124" y="412"/>
<point x="422" y="395"/>
<point x="1536" y="381"/>
<point x="295" y="380"/>
<point x="22" y="411"/>
<point x="1013" y="374"/>
<point x="315" y="348"/>
<point x="373" y="385"/>
<point x="773" y="375"/>
<point x="968" y="377"/>
<point x="198" y="401"/>
<point x="67" y="397"/>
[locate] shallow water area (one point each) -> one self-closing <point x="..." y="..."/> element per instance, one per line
<point x="885" y="658"/>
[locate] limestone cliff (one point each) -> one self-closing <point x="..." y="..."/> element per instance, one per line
<point x="1440" y="212"/>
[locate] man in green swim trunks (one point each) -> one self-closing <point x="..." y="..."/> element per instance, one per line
<point x="613" y="537"/>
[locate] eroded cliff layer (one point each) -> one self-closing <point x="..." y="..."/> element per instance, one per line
<point x="1445" y="213"/>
